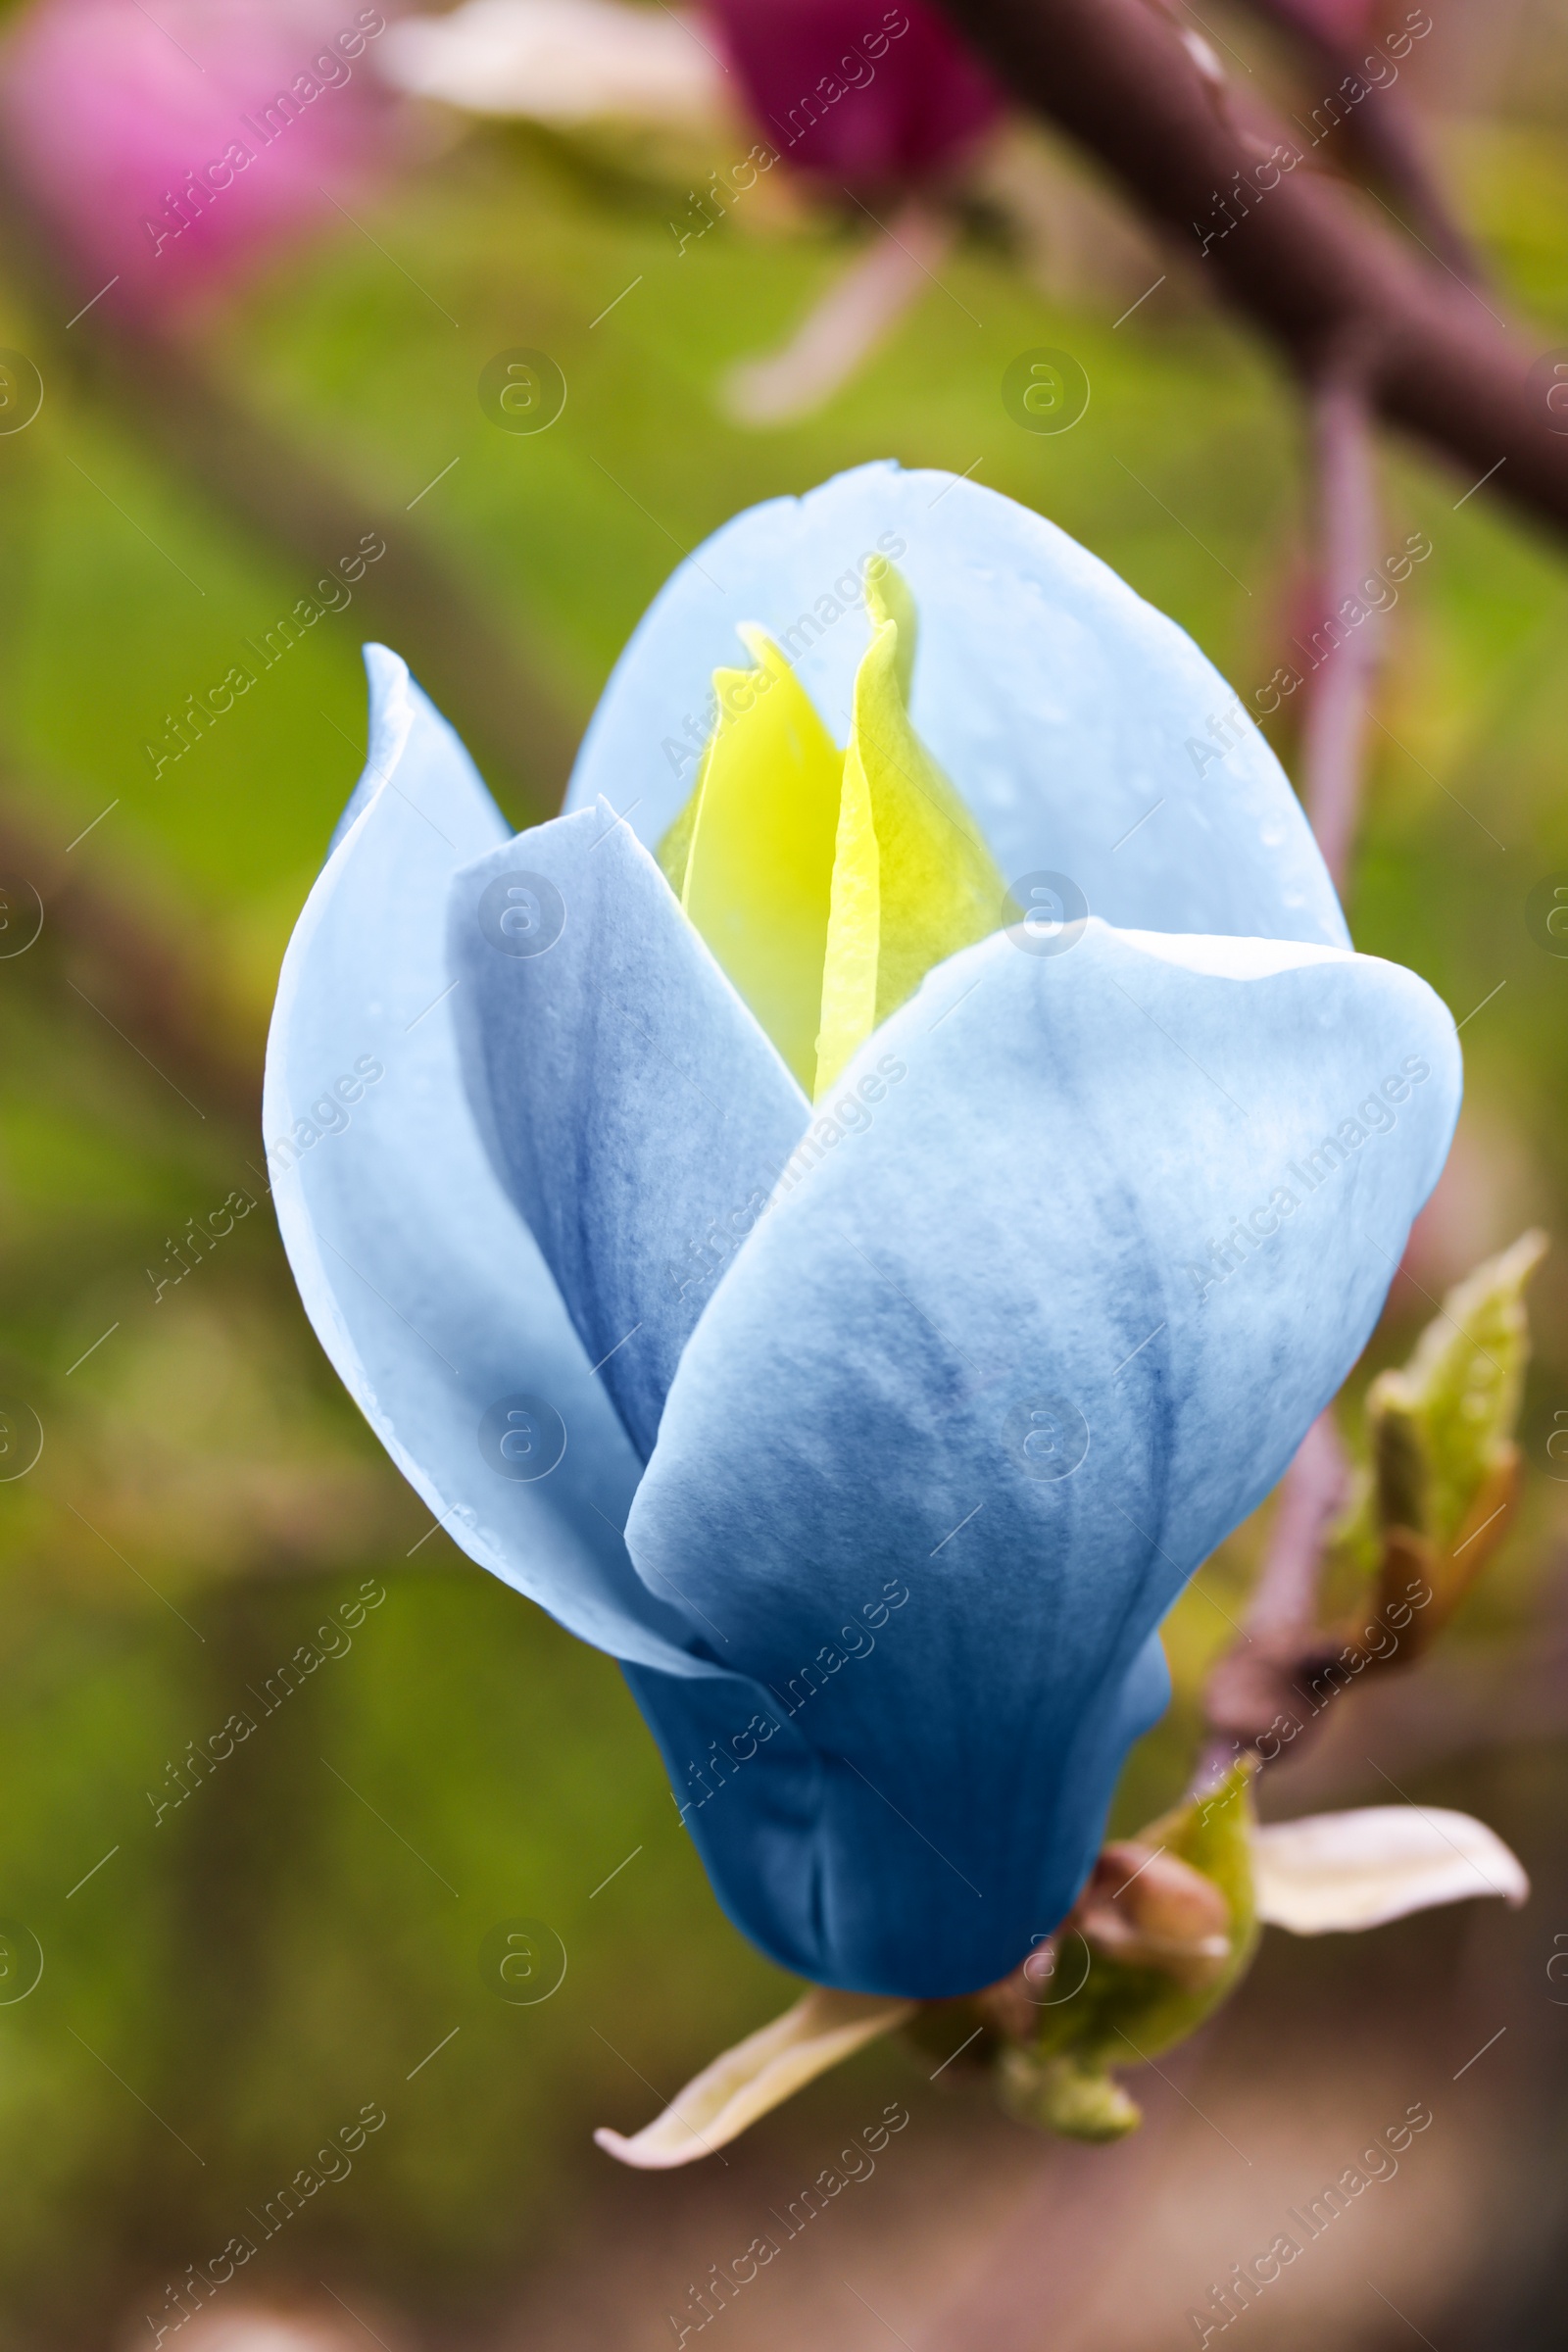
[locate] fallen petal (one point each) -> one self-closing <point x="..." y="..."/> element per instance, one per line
<point x="1343" y="1871"/>
<point x="761" y="2072"/>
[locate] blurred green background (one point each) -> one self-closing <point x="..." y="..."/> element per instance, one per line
<point x="234" y="1982"/>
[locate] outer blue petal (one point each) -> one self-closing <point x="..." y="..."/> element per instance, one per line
<point x="424" y="1286"/>
<point x="637" y="1114"/>
<point x="779" y="1824"/>
<point x="1064" y="708"/>
<point x="1006" y="1274"/>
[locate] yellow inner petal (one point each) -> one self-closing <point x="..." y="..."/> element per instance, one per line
<point x="751" y="855"/>
<point x="912" y="880"/>
<point x="828" y="884"/>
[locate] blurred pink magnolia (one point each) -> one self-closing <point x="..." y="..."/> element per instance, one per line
<point x="176" y="144"/>
<point x="1325" y="20"/>
<point x="888" y="102"/>
<point x="854" y="93"/>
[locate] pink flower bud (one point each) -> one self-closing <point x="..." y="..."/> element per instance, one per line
<point x="1149" y="1910"/>
<point x="859" y="94"/>
<point x="171" y="154"/>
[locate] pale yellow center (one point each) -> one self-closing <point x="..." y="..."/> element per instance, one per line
<point x="828" y="883"/>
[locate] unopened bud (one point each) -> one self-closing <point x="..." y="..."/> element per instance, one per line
<point x="1078" y="2099"/>
<point x="1147" y="1909"/>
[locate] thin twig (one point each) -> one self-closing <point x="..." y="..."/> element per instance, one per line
<point x="1251" y="1686"/>
<point x="1341" y="692"/>
<point x="1311" y="1493"/>
<point x="1298" y="254"/>
<point x="1383" y="129"/>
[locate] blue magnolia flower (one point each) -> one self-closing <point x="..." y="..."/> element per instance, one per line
<point x="877" y="1433"/>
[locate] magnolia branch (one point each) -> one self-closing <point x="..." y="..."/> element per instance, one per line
<point x="1383" y="128"/>
<point x="1340" y="699"/>
<point x="1308" y="259"/>
<point x="1257" y="1682"/>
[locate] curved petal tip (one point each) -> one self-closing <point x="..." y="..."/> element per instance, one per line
<point x="1335" y="1873"/>
<point x="759" y="2073"/>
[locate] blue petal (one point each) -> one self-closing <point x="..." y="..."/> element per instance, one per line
<point x="1049" y="1296"/>
<point x="781" y="1826"/>
<point x="637" y="1114"/>
<point x="423" y="1284"/>
<point x="1086" y="731"/>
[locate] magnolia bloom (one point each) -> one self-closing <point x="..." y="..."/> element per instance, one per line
<point x="852" y="94"/>
<point x="175" y="146"/>
<point x="849" y="1214"/>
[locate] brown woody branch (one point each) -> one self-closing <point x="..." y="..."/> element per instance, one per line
<point x="1295" y="251"/>
<point x="1382" y="129"/>
<point x="1258" y="1682"/>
